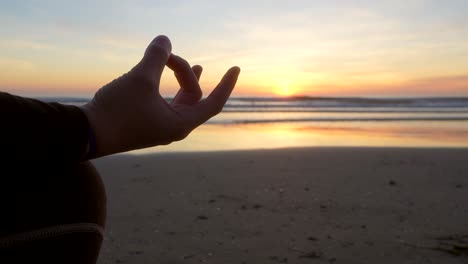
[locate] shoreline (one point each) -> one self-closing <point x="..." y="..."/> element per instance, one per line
<point x="292" y="205"/>
<point x="293" y="148"/>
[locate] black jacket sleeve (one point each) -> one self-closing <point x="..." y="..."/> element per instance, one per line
<point x="32" y="130"/>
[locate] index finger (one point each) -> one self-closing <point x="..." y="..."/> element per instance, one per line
<point x="185" y="75"/>
<point x="214" y="103"/>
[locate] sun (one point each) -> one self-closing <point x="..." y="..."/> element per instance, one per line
<point x="285" y="88"/>
<point x="284" y="91"/>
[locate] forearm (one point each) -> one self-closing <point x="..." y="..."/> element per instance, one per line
<point x="37" y="131"/>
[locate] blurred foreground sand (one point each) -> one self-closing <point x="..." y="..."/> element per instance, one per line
<point x="311" y="205"/>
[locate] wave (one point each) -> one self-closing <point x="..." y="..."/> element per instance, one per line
<point x="373" y="119"/>
<point x="65" y="100"/>
<point x="244" y="105"/>
<point x="447" y="110"/>
<point x="348" y="102"/>
<point x="257" y="110"/>
<point x="318" y="102"/>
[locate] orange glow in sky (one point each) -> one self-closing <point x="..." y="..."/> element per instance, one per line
<point x="332" y="48"/>
<point x="285" y="89"/>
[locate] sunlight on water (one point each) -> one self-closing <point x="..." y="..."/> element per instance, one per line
<point x="307" y="134"/>
<point x="262" y="123"/>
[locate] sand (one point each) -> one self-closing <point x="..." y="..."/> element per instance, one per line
<point x="314" y="205"/>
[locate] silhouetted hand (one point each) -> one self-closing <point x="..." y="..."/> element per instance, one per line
<point x="129" y="113"/>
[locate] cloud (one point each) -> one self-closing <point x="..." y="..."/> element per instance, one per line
<point x="440" y="84"/>
<point x="120" y="42"/>
<point x="12" y="64"/>
<point x="26" y="44"/>
<point x="456" y="85"/>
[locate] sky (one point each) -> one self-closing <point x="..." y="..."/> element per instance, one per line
<point x="314" y="48"/>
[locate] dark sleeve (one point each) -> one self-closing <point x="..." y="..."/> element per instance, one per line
<point x="32" y="130"/>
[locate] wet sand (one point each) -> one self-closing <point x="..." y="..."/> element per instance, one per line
<point x="310" y="205"/>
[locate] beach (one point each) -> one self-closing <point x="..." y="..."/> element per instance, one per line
<point x="289" y="205"/>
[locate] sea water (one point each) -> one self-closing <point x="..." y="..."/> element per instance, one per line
<point x="259" y="123"/>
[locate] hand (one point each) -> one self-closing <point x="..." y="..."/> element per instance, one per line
<point x="129" y="113"/>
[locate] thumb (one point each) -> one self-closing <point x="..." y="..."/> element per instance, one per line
<point x="155" y="59"/>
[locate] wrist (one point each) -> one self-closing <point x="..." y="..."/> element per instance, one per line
<point x="92" y="150"/>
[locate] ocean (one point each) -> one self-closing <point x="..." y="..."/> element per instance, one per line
<point x="260" y="122"/>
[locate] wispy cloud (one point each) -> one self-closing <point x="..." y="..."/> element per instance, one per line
<point x="431" y="86"/>
<point x="121" y="42"/>
<point x="356" y="47"/>
<point x="440" y="84"/>
<point x="13" y="64"/>
<point x="26" y="44"/>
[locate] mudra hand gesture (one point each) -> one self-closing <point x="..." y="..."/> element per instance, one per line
<point x="130" y="113"/>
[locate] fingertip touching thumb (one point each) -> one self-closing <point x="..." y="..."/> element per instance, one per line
<point x="156" y="55"/>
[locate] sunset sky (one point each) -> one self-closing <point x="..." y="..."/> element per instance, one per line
<point x="316" y="48"/>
